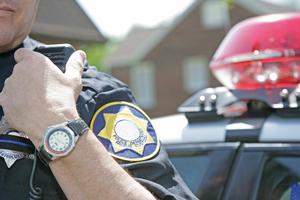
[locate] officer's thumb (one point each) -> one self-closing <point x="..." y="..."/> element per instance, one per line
<point x="74" y="66"/>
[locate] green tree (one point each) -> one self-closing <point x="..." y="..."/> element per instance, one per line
<point x="96" y="54"/>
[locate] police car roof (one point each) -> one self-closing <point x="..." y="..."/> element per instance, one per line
<point x="175" y="129"/>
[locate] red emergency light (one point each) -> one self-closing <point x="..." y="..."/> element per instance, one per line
<point x="260" y="52"/>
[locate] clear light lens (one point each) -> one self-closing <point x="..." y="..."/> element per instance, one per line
<point x="261" y="78"/>
<point x="267" y="74"/>
<point x="273" y="77"/>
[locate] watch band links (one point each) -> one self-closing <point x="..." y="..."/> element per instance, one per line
<point x="78" y="126"/>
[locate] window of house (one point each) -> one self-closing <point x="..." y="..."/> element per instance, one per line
<point x="195" y="74"/>
<point x="143" y="84"/>
<point x="214" y="14"/>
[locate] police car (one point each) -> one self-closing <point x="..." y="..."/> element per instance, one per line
<point x="242" y="141"/>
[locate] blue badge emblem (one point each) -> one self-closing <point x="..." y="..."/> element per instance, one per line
<point x="126" y="131"/>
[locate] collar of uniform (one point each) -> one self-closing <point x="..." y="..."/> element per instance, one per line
<point x="30" y="43"/>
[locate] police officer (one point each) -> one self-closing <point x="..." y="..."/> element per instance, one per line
<point x="85" y="145"/>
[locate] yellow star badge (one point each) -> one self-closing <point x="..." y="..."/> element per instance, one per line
<point x="125" y="131"/>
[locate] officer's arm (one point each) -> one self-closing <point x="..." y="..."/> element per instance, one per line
<point x="38" y="95"/>
<point x="95" y="173"/>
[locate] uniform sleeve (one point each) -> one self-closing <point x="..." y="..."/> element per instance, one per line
<point x="99" y="89"/>
<point x="160" y="177"/>
<point x="157" y="174"/>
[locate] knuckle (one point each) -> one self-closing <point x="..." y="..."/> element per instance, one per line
<point x="22" y="53"/>
<point x="19" y="52"/>
<point x="75" y="80"/>
<point x="34" y="57"/>
<point x="70" y="82"/>
<point x="28" y="55"/>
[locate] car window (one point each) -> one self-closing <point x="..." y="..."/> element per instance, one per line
<point x="280" y="180"/>
<point x="191" y="168"/>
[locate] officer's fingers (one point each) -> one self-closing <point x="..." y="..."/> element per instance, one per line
<point x="74" y="66"/>
<point x="23" y="54"/>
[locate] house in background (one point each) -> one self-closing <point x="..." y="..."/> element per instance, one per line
<point x="64" y="21"/>
<point x="167" y="64"/>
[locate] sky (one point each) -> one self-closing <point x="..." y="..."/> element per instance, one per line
<point x="114" y="18"/>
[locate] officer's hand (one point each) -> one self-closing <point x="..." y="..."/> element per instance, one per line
<point x="38" y="94"/>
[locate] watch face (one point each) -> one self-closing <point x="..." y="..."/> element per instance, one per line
<point x="59" y="141"/>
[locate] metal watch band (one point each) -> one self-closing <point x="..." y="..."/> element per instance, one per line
<point x="78" y="126"/>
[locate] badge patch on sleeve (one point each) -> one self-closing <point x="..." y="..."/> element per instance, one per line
<point x="126" y="131"/>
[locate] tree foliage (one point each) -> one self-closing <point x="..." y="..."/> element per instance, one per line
<point x="96" y="54"/>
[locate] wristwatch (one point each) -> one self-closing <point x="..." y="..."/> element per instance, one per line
<point x="59" y="140"/>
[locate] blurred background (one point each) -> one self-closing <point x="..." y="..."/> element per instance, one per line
<point x="160" y="48"/>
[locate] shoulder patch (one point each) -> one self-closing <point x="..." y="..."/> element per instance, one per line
<point x="125" y="131"/>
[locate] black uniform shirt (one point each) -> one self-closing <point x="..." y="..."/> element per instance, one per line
<point x="156" y="174"/>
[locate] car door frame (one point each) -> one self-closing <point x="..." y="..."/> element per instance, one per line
<point x="222" y="156"/>
<point x="246" y="173"/>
